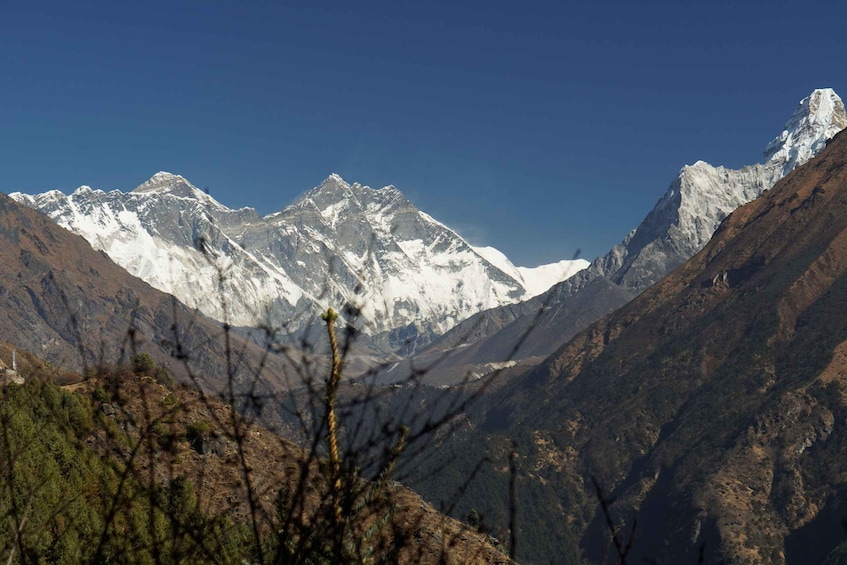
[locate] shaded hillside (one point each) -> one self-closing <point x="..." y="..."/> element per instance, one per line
<point x="75" y="308"/>
<point x="526" y="332"/>
<point x="713" y="406"/>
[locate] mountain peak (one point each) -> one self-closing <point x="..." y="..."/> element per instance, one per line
<point x="164" y="181"/>
<point x="817" y="118"/>
<point x="334" y="181"/>
<point x="334" y="189"/>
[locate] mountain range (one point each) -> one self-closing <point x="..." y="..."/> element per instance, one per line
<point x="406" y="276"/>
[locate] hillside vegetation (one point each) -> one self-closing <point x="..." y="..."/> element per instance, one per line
<point x="121" y="468"/>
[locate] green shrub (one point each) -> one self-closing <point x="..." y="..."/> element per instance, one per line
<point x="197" y="430"/>
<point x="143" y="364"/>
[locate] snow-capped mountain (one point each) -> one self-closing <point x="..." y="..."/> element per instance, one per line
<point x="679" y="226"/>
<point x="338" y="244"/>
<point x="701" y="196"/>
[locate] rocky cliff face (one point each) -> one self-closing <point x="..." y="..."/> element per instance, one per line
<point x="408" y="276"/>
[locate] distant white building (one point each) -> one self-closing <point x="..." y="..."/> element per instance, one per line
<point x="10" y="374"/>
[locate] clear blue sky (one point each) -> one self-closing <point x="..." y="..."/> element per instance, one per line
<point x="535" y="127"/>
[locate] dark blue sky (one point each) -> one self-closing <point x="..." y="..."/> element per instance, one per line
<point x="535" y="127"/>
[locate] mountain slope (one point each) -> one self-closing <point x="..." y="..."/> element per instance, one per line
<point x="680" y="224"/>
<point x="409" y="276"/>
<point x="73" y="306"/>
<point x="712" y="406"/>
